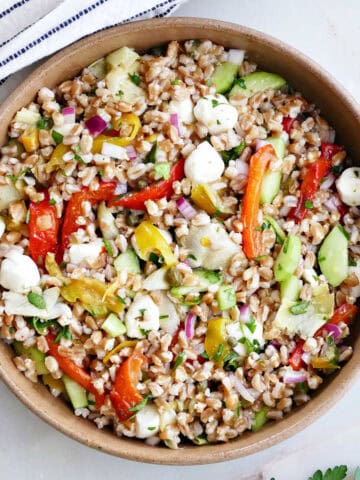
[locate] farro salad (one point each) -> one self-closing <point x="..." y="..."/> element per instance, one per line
<point x="179" y="249"/>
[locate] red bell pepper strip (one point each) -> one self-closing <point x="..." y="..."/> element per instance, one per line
<point x="124" y="394"/>
<point x="111" y="133"/>
<point x="345" y="313"/>
<point x="250" y="208"/>
<point x="310" y="184"/>
<point x="155" y="191"/>
<point x="43" y="230"/>
<point x="328" y="150"/>
<point x="74" y="210"/>
<point x="72" y="370"/>
<point x="295" y="360"/>
<point x="287" y="124"/>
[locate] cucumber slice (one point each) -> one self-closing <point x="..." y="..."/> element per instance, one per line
<point x="280" y="234"/>
<point x="290" y="288"/>
<point x="35" y="355"/>
<point x="128" y="261"/>
<point x="98" y="68"/>
<point x="260" y="418"/>
<point x="206" y="278"/>
<point x="226" y="297"/>
<point x="270" y="187"/>
<point x="224" y="76"/>
<point x="114" y="326"/>
<point x="288" y="258"/>
<point x="106" y="221"/>
<point x="279" y="146"/>
<point x="333" y="256"/>
<point x="257" y="82"/>
<point x="77" y="394"/>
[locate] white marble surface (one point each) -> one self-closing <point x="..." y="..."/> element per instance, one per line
<point x="329" y="32"/>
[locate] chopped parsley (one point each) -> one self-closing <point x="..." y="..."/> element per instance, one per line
<point x="57" y="137"/>
<point x="39" y="326"/>
<point x="178" y="360"/>
<point x="120" y="93"/>
<point x="251" y="324"/>
<point x="219" y="352"/>
<point x="157" y="259"/>
<point x="151" y="428"/>
<point x="63" y="333"/>
<point x="192" y="257"/>
<point x="251" y="346"/>
<point x="37" y="300"/>
<point x="52" y="201"/>
<point x="309" y="204"/>
<point x="352" y="262"/>
<point x="162" y="317"/>
<point x="175" y="82"/>
<point x="144" y="332"/>
<point x="337" y="169"/>
<point x="15" y="178"/>
<point x="134" y="77"/>
<point x="120" y="299"/>
<point x="142" y="312"/>
<point x="78" y="158"/>
<point x="234" y="153"/>
<point x="214" y="103"/>
<point x="44" y="124"/>
<point x="139" y="406"/>
<point x="241" y="82"/>
<point x="299" y="308"/>
<point x="344" y="232"/>
<point x="238" y="409"/>
<point x="151" y="156"/>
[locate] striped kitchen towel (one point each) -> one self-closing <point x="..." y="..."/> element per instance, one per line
<point x="33" y="29"/>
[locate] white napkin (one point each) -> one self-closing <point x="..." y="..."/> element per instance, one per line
<point x="33" y="29"/>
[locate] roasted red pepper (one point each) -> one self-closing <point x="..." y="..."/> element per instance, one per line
<point x="155" y="191"/>
<point x="345" y="313"/>
<point x="328" y="150"/>
<point x="70" y="368"/>
<point x="250" y="207"/>
<point x="73" y="210"/>
<point x="287" y="124"/>
<point x="43" y="230"/>
<point x="124" y="394"/>
<point x="310" y="184"/>
<point x="295" y="360"/>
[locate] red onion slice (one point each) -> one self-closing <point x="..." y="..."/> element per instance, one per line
<point x="328" y="181"/>
<point x="174" y="120"/>
<point x="333" y="329"/>
<point x="121" y="188"/>
<point x="244" y="312"/>
<point x="242" y="167"/>
<point x="190" y="325"/>
<point x="332" y="203"/>
<point x="95" y="125"/>
<point x="292" y="376"/>
<point x="131" y="152"/>
<point x="185" y="208"/>
<point x="69" y="115"/>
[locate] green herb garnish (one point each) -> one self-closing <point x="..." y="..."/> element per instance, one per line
<point x="64" y="333"/>
<point x="241" y="82"/>
<point x="309" y="204"/>
<point x="299" y="308"/>
<point x="44" y="123"/>
<point x="175" y="82"/>
<point x="178" y="360"/>
<point x="141" y="405"/>
<point x="151" y="156"/>
<point x="134" y="77"/>
<point x="57" y="137"/>
<point x="52" y="201"/>
<point x="108" y="247"/>
<point x="234" y="153"/>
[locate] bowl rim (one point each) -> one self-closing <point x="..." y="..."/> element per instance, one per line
<point x="275" y="433"/>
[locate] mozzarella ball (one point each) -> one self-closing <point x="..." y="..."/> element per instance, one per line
<point x="348" y="186"/>
<point x="147" y="421"/>
<point x="86" y="252"/>
<point x="19" y="273"/>
<point x="216" y="113"/>
<point x="204" y="164"/>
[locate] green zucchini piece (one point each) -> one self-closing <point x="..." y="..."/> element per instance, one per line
<point x="260" y="418"/>
<point x="288" y="258"/>
<point x="290" y="288"/>
<point x="128" y="261"/>
<point x="226" y="297"/>
<point x="114" y="326"/>
<point x="279" y="232"/>
<point x="257" y="82"/>
<point x="35" y="355"/>
<point x="77" y="394"/>
<point x="333" y="256"/>
<point x="224" y="76"/>
<point x="272" y="180"/>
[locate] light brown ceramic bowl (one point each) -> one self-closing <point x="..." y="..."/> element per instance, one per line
<point x="272" y="55"/>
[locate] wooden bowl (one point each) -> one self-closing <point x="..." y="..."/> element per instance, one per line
<point x="272" y="55"/>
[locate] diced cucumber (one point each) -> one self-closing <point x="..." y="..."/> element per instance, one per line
<point x="257" y="82"/>
<point x="272" y="180"/>
<point x="106" y="222"/>
<point x="224" y="76"/>
<point x="270" y="187"/>
<point x="157" y="280"/>
<point x="127" y="261"/>
<point x="260" y="418"/>
<point x="206" y="278"/>
<point x="226" y="297"/>
<point x="124" y="57"/>
<point x="98" y="68"/>
<point x="77" y="394"/>
<point x="290" y="288"/>
<point x="35" y="355"/>
<point x="288" y="258"/>
<point x="114" y="326"/>
<point x="333" y="256"/>
<point x="280" y="234"/>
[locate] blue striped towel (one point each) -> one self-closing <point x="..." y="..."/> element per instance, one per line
<point x="33" y="29"/>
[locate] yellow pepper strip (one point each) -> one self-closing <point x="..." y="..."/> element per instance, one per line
<point x="149" y="239"/>
<point x="114" y="351"/>
<point x="127" y="118"/>
<point x="90" y="293"/>
<point x="30" y="139"/>
<point x="216" y="345"/>
<point x="206" y="198"/>
<point x="56" y="161"/>
<point x="54" y="270"/>
<point x="323" y="363"/>
<point x="52" y="382"/>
